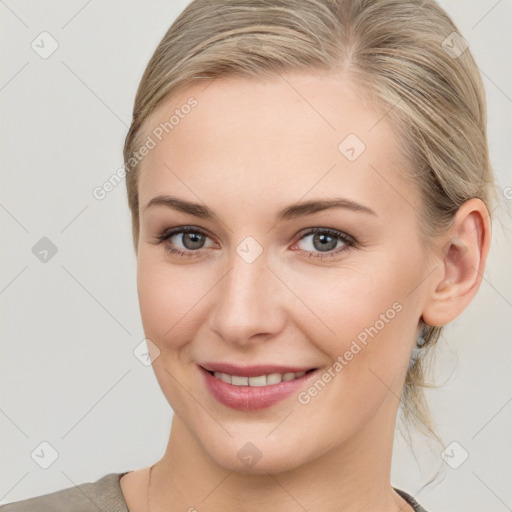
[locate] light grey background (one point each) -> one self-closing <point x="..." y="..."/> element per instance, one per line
<point x="70" y="325"/>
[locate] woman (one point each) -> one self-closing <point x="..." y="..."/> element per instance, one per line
<point x="310" y="192"/>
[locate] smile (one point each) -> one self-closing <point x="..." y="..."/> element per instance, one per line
<point x="256" y="391"/>
<point x="260" y="380"/>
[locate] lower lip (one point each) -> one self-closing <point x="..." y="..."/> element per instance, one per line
<point x="252" y="398"/>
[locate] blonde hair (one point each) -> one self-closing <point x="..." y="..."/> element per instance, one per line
<point x="406" y="55"/>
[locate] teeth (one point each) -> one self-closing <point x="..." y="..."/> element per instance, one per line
<point x="224" y="376"/>
<point x="273" y="378"/>
<point x="260" y="380"/>
<point x="239" y="381"/>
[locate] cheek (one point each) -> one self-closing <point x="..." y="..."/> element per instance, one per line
<point x="175" y="300"/>
<point x="370" y="312"/>
<point x="166" y="298"/>
<point x="374" y="322"/>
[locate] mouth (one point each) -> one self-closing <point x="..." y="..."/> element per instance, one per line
<point x="254" y="388"/>
<point x="268" y="379"/>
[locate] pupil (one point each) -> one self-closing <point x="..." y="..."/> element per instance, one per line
<point x="327" y="242"/>
<point x="193" y="240"/>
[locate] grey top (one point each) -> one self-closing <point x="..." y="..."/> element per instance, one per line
<point x="104" y="495"/>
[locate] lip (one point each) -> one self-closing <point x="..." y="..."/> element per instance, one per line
<point x="253" y="398"/>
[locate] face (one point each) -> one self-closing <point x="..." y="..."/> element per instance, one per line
<point x="252" y="275"/>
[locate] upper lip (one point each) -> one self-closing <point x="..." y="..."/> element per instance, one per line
<point x="252" y="370"/>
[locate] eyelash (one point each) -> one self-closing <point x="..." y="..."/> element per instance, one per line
<point x="342" y="237"/>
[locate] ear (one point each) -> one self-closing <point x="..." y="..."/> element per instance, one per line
<point x="461" y="253"/>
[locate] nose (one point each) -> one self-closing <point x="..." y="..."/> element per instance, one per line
<point x="248" y="303"/>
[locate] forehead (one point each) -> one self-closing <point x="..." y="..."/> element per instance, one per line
<point x="294" y="133"/>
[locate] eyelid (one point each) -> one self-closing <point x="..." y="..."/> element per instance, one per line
<point x="330" y="231"/>
<point x="348" y="240"/>
<point x="168" y="233"/>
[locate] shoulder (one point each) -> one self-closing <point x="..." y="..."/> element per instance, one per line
<point x="104" y="494"/>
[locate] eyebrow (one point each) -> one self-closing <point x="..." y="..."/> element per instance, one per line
<point x="290" y="212"/>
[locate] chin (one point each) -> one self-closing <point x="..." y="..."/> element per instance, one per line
<point x="273" y="463"/>
<point x="256" y="454"/>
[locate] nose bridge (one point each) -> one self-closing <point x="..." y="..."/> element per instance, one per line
<point x="247" y="300"/>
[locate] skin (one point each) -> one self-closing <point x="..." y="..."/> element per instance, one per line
<point x="246" y="151"/>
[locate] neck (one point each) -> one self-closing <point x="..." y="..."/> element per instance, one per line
<point x="350" y="477"/>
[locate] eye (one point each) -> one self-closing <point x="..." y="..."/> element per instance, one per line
<point x="324" y="242"/>
<point x="184" y="241"/>
<point x="320" y="243"/>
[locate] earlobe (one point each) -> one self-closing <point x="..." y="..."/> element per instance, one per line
<point x="462" y="253"/>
